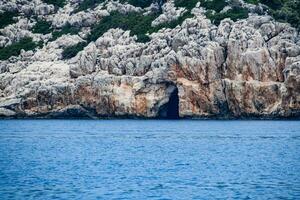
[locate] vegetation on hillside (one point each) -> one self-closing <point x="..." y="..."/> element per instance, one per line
<point x="137" y="23"/>
<point x="72" y="51"/>
<point x="88" y="4"/>
<point x="6" y="18"/>
<point x="67" y="29"/>
<point x="56" y="3"/>
<point x="214" y="7"/>
<point x="138" y="3"/>
<point x="42" y="27"/>
<point x="15" y="49"/>
<point x="282" y="10"/>
<point x="286" y="11"/>
<point x="234" y="14"/>
<point x="142" y="3"/>
<point x="140" y="25"/>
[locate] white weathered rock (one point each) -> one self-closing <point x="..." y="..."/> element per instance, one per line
<point x="6" y="112"/>
<point x="84" y="62"/>
<point x="169" y="13"/>
<point x="44" y="9"/>
<point x="53" y="50"/>
<point x="237" y="69"/>
<point x="122" y="8"/>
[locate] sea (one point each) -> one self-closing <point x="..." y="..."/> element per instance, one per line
<point x="149" y="159"/>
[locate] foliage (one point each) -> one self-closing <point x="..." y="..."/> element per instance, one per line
<point x="138" y="3"/>
<point x="42" y="27"/>
<point x="72" y="51"/>
<point x="234" y="14"/>
<point x="15" y="49"/>
<point x="140" y="25"/>
<point x="188" y="4"/>
<point x="273" y="4"/>
<point x="87" y="4"/>
<point x="56" y="3"/>
<point x="173" y="23"/>
<point x="289" y="11"/>
<point x="67" y="29"/>
<point x="216" y="5"/>
<point x="283" y="10"/>
<point x="137" y="23"/>
<point x="6" y="18"/>
<point x="252" y="1"/>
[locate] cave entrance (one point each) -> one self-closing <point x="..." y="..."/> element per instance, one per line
<point x="171" y="109"/>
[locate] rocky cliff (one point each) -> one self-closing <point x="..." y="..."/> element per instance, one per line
<point x="197" y="69"/>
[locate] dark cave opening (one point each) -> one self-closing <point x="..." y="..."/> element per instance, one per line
<point x="171" y="109"/>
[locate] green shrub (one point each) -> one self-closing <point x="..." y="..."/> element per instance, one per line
<point x="86" y="4"/>
<point x="234" y="14"/>
<point x="289" y="12"/>
<point x="283" y="10"/>
<point x="72" y="51"/>
<point x="252" y="1"/>
<point x="188" y="4"/>
<point x="216" y="5"/>
<point x="67" y="29"/>
<point x="56" y="3"/>
<point x="273" y="4"/>
<point x="138" y="3"/>
<point x="136" y="22"/>
<point x="174" y="23"/>
<point x="42" y="27"/>
<point x="6" y="18"/>
<point x="15" y="49"/>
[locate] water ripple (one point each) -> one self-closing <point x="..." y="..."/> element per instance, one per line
<point x="136" y="159"/>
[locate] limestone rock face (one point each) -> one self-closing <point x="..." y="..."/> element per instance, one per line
<point x="247" y="68"/>
<point x="85" y="62"/>
<point x="169" y="13"/>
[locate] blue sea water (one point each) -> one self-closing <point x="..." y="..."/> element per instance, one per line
<point x="151" y="159"/>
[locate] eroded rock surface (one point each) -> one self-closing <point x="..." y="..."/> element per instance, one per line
<point x="248" y="68"/>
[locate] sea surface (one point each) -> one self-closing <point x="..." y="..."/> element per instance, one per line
<point x="149" y="159"/>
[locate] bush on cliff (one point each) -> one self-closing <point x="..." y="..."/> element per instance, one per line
<point x="67" y="29"/>
<point x="136" y="22"/>
<point x="138" y="3"/>
<point x="88" y="4"/>
<point x="234" y="14"/>
<point x="216" y="5"/>
<point x="289" y="11"/>
<point x="6" y="18"/>
<point x="15" y="49"/>
<point x="56" y="3"/>
<point x="282" y="10"/>
<point x="72" y="51"/>
<point x="42" y="27"/>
